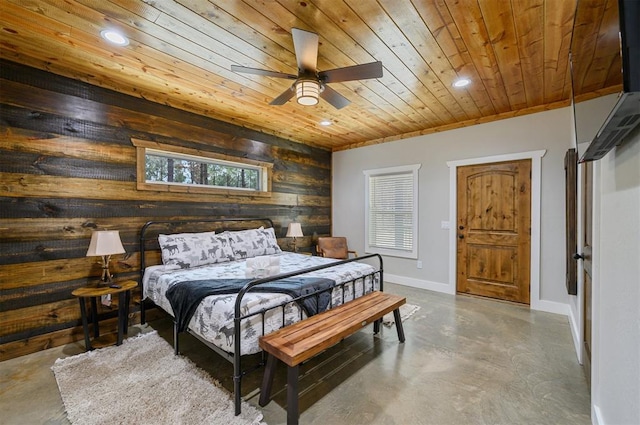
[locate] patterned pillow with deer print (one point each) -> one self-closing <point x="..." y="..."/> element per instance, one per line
<point x="253" y="243"/>
<point x="194" y="249"/>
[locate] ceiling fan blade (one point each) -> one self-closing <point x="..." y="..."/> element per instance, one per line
<point x="334" y="98"/>
<point x="350" y="73"/>
<point x="305" y="44"/>
<point x="284" y="97"/>
<point x="264" y="72"/>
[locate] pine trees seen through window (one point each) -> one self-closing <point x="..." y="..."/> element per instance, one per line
<point x="172" y="169"/>
<point x="168" y="168"/>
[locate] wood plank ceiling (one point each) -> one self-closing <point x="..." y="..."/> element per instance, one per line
<point x="515" y="52"/>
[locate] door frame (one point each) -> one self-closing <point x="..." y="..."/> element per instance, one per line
<point x="576" y="303"/>
<point x="536" y="177"/>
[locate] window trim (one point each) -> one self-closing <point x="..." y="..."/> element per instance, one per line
<point x="413" y="169"/>
<point x="141" y="183"/>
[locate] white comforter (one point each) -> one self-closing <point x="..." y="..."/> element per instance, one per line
<point x="213" y="319"/>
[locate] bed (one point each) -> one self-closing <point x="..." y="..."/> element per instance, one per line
<point x="228" y="283"/>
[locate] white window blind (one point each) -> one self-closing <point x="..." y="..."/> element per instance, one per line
<point x="392" y="211"/>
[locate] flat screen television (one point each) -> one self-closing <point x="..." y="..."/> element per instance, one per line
<point x="605" y="74"/>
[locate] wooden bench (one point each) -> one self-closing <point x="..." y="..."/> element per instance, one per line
<point x="303" y="340"/>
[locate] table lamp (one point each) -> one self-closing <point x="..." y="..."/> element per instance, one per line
<point x="105" y="243"/>
<point x="294" y="231"/>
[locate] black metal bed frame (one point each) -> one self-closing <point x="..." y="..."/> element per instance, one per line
<point x="235" y="357"/>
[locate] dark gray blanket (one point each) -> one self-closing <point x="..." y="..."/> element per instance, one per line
<point x="186" y="296"/>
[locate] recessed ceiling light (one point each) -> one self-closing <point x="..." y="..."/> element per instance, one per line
<point x="462" y="82"/>
<point x="114" y="37"/>
<point x="326" y="122"/>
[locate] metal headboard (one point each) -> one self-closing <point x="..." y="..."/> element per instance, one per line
<point x="150" y="230"/>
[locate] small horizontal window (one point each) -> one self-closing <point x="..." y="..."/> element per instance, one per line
<point x="164" y="167"/>
<point x="186" y="170"/>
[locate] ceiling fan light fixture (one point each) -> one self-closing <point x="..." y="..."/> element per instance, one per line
<point x="307" y="92"/>
<point x="309" y="84"/>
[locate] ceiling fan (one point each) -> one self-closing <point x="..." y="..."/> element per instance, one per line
<point x="311" y="83"/>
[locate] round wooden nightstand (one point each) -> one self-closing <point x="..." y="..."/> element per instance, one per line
<point x="123" y="289"/>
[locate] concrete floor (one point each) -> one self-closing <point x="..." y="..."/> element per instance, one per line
<point x="465" y="361"/>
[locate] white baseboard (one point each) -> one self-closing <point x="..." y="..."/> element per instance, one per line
<point x="575" y="333"/>
<point x="550" y="307"/>
<point x="417" y="283"/>
<point x="540" y="305"/>
<point x="596" y="415"/>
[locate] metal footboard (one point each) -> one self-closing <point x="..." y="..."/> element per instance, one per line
<point x="238" y="317"/>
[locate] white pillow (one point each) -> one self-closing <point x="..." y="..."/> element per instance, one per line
<point x="254" y="242"/>
<point x="194" y="249"/>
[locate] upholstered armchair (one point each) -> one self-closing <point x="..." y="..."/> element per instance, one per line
<point x="334" y="247"/>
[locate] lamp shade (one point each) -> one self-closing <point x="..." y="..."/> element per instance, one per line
<point x="294" y="230"/>
<point x="307" y="92"/>
<point x="105" y="242"/>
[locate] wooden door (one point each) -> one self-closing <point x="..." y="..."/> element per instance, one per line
<point x="587" y="208"/>
<point x="494" y="230"/>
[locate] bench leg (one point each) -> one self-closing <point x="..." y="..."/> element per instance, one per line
<point x="292" y="395"/>
<point x="267" y="380"/>
<point x="399" y="328"/>
<point x="376" y="326"/>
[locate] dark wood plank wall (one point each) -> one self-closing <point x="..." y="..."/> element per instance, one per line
<point x="67" y="166"/>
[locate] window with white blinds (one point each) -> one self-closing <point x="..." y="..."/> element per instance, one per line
<point x="392" y="211"/>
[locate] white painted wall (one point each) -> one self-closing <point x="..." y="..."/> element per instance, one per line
<point x="550" y="131"/>
<point x="616" y="288"/>
<point x="616" y="297"/>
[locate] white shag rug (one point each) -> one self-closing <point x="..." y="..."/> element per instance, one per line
<point x="406" y="311"/>
<point x="143" y="382"/>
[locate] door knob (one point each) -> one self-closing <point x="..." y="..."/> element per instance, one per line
<point x="577" y="256"/>
<point x="461" y="236"/>
<point x="461" y="227"/>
